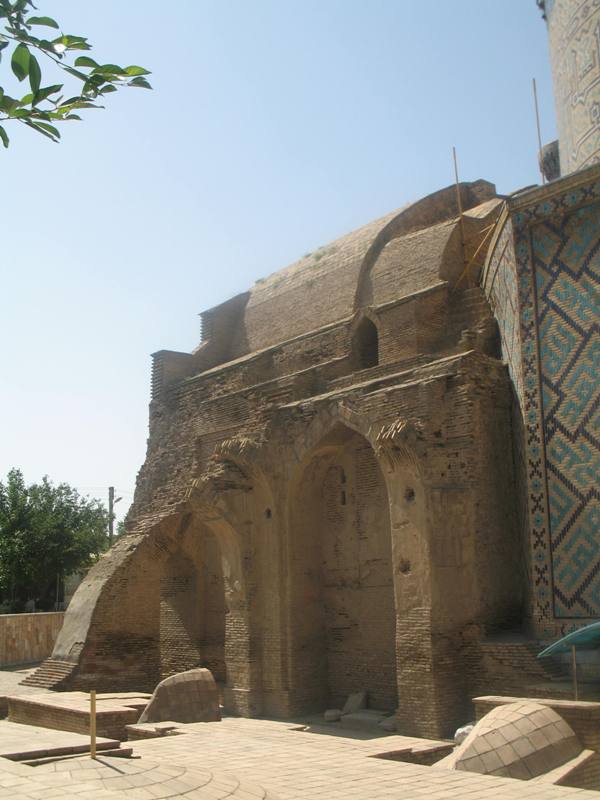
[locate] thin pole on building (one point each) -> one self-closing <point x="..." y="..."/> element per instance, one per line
<point x="112" y="501"/>
<point x="93" y="724"/>
<point x="460" y="209"/>
<point x="574" y="670"/>
<point x="111" y="516"/>
<point x="539" y="130"/>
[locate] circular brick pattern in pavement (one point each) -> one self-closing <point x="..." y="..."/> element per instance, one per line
<point x="161" y="778"/>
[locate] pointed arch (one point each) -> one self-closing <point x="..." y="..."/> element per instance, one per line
<point x="365" y="344"/>
<point x="340" y="608"/>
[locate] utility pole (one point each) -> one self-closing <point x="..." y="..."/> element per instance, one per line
<point x="111" y="514"/>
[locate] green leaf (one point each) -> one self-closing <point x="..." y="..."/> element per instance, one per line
<point x="76" y="74"/>
<point x="140" y="82"/>
<point x="46" y="92"/>
<point x="85" y="61"/>
<point x="47" y="21"/>
<point x="108" y="88"/>
<point x="35" y="74"/>
<point x="86" y="105"/>
<point x="80" y="46"/>
<point x="37" y="127"/>
<point x="26" y="100"/>
<point x="73" y="42"/>
<point x="3" y="136"/>
<point x="20" y="61"/>
<point x="133" y="70"/>
<point x="49" y="128"/>
<point x="8" y="103"/>
<point x="110" y="69"/>
<point x="73" y="116"/>
<point x="71" y="101"/>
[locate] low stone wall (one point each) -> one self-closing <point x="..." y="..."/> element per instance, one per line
<point x="26" y="638"/>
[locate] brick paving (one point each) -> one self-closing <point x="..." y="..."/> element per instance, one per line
<point x="113" y="778"/>
<point x="34" y="742"/>
<point x="11" y="677"/>
<point x="10" y="684"/>
<point x="236" y="758"/>
<point x="317" y="766"/>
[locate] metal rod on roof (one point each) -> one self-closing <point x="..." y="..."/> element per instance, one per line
<point x="539" y="130"/>
<point x="574" y="669"/>
<point x="486" y="233"/>
<point x="93" y="724"/>
<point x="460" y="213"/>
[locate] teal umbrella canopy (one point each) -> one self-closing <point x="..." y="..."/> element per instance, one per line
<point x="587" y="638"/>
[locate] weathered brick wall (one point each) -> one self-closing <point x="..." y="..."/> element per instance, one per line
<point x="508" y="665"/>
<point x="180" y="616"/>
<point x="25" y="638"/>
<point x="343" y="577"/>
<point x="587" y="776"/>
<point x="361" y="517"/>
<point x="212" y="607"/>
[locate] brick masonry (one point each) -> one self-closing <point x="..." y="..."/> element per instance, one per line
<point x="337" y="493"/>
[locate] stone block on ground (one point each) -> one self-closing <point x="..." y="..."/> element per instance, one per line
<point x="152" y="730"/>
<point x="355" y="702"/>
<point x="190" y="696"/>
<point x="332" y="715"/>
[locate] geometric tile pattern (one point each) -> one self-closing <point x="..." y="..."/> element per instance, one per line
<point x="566" y="262"/>
<point x="557" y="252"/>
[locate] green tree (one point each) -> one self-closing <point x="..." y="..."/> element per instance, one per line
<point x="42" y="108"/>
<point x="47" y="531"/>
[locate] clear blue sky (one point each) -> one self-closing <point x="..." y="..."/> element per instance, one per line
<point x="274" y="126"/>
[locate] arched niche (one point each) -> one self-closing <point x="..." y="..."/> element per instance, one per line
<point x="192" y="604"/>
<point x="365" y="344"/>
<point x="341" y="592"/>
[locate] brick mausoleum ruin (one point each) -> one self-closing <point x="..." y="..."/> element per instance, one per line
<point x="375" y="461"/>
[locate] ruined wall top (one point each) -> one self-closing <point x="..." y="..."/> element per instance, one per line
<point x="354" y="271"/>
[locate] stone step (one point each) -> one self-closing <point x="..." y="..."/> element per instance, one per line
<point x="50" y="674"/>
<point x="70" y="711"/>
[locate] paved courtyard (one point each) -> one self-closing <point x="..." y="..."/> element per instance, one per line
<point x="318" y="766"/>
<point x="243" y="759"/>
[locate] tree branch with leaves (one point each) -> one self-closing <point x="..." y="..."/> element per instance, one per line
<point x="44" y="108"/>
